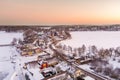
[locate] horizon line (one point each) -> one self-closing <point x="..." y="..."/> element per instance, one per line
<point x="57" y="24"/>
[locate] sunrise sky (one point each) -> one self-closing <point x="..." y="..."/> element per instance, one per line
<point x="50" y="12"/>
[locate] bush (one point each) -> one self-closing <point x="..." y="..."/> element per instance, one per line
<point x="107" y="70"/>
<point x="99" y="69"/>
<point x="115" y="73"/>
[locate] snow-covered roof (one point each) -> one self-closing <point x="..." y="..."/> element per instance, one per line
<point x="63" y="66"/>
<point x="88" y="78"/>
<point x="36" y="74"/>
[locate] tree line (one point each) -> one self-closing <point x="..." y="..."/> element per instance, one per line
<point x="16" y="28"/>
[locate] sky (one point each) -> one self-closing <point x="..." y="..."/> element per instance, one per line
<point x="52" y="12"/>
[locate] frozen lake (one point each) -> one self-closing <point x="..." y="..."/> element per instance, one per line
<point x="102" y="39"/>
<point x="6" y="52"/>
<point x="6" y="38"/>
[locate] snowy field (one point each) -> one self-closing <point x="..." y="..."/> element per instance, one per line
<point x="102" y="39"/>
<point x="6" y="67"/>
<point x="6" y="38"/>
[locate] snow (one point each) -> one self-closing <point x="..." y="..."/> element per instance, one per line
<point x="102" y="39"/>
<point x="63" y="66"/>
<point x="88" y="78"/>
<point x="85" y="66"/>
<point x="115" y="63"/>
<point x="25" y="59"/>
<point x="37" y="75"/>
<point x="6" y="66"/>
<point x="5" y="59"/>
<point x="6" y="38"/>
<point x="7" y="53"/>
<point x="12" y="77"/>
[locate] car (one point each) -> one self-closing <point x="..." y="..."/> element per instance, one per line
<point x="93" y="67"/>
<point x="46" y="74"/>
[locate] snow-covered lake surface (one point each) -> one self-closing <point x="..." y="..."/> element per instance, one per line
<point x="6" y="38"/>
<point x="102" y="39"/>
<point x="7" y="52"/>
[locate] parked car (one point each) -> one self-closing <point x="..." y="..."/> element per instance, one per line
<point x="48" y="72"/>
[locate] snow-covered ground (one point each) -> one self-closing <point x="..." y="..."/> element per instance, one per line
<point x="115" y="63"/>
<point x="5" y="62"/>
<point x="102" y="39"/>
<point x="7" y="52"/>
<point x="88" y="78"/>
<point x="99" y="38"/>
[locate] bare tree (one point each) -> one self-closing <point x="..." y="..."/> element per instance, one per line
<point x="117" y="51"/>
<point x="101" y="53"/>
<point x="94" y="49"/>
<point x="111" y="50"/>
<point x="108" y="70"/>
<point x="83" y="48"/>
<point x="14" y="41"/>
<point x="64" y="47"/>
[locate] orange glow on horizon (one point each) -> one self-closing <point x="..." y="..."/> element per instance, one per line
<point x="60" y="12"/>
